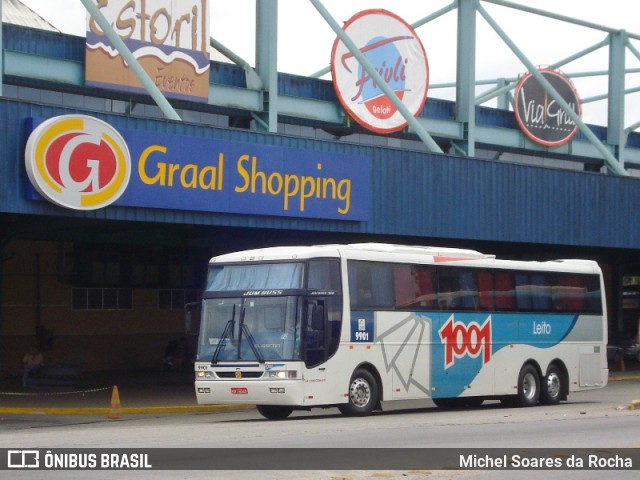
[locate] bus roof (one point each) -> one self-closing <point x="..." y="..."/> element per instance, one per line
<point x="403" y="254"/>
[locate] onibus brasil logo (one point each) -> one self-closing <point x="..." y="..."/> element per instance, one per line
<point x="78" y="162"/>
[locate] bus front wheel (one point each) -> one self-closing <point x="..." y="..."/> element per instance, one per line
<point x="274" y="412"/>
<point x="528" y="386"/>
<point x="363" y="395"/>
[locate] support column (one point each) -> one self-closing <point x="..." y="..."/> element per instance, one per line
<point x="1" y="52"/>
<point x="466" y="74"/>
<point x="267" y="61"/>
<point x="615" y="122"/>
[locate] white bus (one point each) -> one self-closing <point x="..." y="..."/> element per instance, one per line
<point x="289" y="328"/>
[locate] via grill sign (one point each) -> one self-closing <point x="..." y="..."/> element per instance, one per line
<point x="539" y="115"/>
<point x="393" y="48"/>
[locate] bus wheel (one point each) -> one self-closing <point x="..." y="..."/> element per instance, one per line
<point x="552" y="386"/>
<point x="363" y="395"/>
<point x="528" y="386"/>
<point x="274" y="412"/>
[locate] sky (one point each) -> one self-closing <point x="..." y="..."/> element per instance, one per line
<point x="305" y="39"/>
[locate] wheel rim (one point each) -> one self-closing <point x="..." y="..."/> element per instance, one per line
<point x="553" y="384"/>
<point x="529" y="386"/>
<point x="360" y="392"/>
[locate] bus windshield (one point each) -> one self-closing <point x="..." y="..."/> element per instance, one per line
<point x="227" y="278"/>
<point x="271" y="311"/>
<point x="252" y="329"/>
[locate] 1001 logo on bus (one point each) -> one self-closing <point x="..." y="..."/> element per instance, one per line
<point x="461" y="340"/>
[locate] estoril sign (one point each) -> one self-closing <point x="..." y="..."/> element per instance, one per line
<point x="169" y="38"/>
<point x="539" y="115"/>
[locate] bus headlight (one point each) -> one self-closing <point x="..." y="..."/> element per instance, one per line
<point x="204" y="375"/>
<point x="283" y="374"/>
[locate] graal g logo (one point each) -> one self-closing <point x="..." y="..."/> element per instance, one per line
<point x="78" y="162"/>
<point x="23" y="459"/>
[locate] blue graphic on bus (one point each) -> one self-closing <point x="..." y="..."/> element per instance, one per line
<point x="465" y="342"/>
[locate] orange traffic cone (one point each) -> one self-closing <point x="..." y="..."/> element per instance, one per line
<point x="114" y="412"/>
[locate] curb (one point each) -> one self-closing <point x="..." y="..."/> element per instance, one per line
<point x="128" y="410"/>
<point x="625" y="377"/>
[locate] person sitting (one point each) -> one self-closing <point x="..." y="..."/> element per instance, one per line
<point x="31" y="362"/>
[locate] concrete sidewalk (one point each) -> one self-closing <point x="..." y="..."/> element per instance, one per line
<point x="138" y="392"/>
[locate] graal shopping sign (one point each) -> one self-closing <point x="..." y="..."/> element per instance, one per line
<point x="169" y="38"/>
<point x="393" y="48"/>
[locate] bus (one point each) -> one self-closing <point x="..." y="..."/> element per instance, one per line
<point x="351" y="326"/>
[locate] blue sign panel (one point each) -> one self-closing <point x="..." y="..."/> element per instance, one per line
<point x="188" y="173"/>
<point x="362" y="327"/>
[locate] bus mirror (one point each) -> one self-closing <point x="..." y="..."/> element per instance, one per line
<point x="317" y="317"/>
<point x="192" y="318"/>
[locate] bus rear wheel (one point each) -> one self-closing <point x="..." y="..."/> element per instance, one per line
<point x="552" y="386"/>
<point x="363" y="395"/>
<point x="528" y="386"/>
<point x="274" y="412"/>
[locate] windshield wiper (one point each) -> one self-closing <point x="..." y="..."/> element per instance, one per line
<point x="226" y="333"/>
<point x="252" y="343"/>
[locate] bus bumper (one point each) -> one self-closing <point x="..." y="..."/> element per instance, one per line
<point x="221" y="392"/>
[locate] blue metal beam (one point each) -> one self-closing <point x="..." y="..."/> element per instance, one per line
<point x="1" y="52"/>
<point x="466" y="74"/>
<point x="615" y="111"/>
<point x="612" y="163"/>
<point x="267" y="61"/>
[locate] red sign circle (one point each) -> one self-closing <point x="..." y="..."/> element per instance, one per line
<point x="394" y="49"/>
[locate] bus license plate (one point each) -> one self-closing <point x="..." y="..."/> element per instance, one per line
<point x="239" y="391"/>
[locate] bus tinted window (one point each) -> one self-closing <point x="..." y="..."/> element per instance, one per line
<point x="384" y="286"/>
<point x="414" y="286"/>
<point x="457" y="289"/>
<point x="324" y="275"/>
<point x="573" y="293"/>
<point x="254" y="276"/>
<point x="371" y="284"/>
<point x="504" y="292"/>
<point x="485" y="291"/>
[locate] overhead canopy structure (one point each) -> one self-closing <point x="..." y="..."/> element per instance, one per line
<point x="464" y="132"/>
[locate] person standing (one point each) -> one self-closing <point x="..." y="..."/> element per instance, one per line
<point x="31" y="362"/>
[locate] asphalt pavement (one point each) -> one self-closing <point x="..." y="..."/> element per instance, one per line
<point x="129" y="392"/>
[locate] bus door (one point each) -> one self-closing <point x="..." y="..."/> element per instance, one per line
<point x="318" y="340"/>
<point x="315" y="333"/>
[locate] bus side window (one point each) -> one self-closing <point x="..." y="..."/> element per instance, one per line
<point x="448" y="290"/>
<point x="569" y="294"/>
<point x="523" y="292"/>
<point x="414" y="286"/>
<point x="504" y="291"/>
<point x="468" y="293"/>
<point x="540" y="292"/>
<point x="485" y="291"/>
